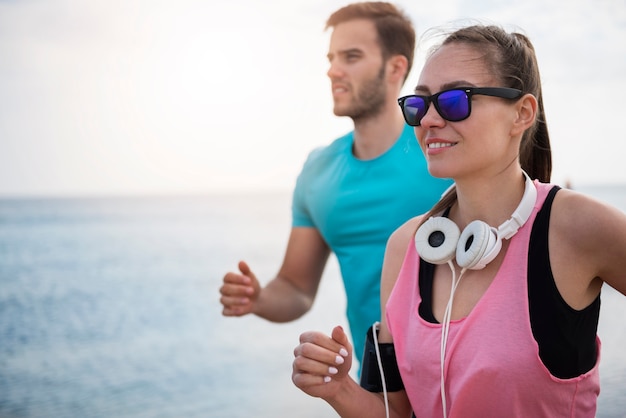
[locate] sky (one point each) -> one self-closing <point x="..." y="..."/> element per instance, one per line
<point x="111" y="97"/>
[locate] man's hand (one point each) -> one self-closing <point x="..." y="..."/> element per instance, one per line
<point x="240" y="291"/>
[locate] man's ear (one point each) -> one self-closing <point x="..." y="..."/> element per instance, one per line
<point x="527" y="108"/>
<point x="397" y="67"/>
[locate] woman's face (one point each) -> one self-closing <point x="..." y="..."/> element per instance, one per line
<point x="480" y="144"/>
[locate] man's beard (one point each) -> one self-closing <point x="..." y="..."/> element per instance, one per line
<point x="370" y="98"/>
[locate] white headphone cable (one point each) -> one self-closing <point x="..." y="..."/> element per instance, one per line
<point x="445" y="328"/>
<point x="380" y="367"/>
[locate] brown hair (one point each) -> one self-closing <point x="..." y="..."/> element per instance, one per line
<point x="511" y="57"/>
<point x="396" y="35"/>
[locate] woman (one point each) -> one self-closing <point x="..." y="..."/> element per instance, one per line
<point x="491" y="300"/>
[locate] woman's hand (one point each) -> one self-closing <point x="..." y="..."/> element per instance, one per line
<point x="322" y="363"/>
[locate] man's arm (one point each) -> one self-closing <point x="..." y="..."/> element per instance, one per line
<point x="291" y="293"/>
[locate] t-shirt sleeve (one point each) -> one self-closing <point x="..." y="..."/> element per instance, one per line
<point x="300" y="214"/>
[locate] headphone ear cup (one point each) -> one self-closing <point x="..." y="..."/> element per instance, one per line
<point x="478" y="245"/>
<point x="436" y="240"/>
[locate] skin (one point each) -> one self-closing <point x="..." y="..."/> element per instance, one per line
<point x="481" y="154"/>
<point x="364" y="87"/>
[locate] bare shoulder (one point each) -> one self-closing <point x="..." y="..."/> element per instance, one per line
<point x="588" y="238"/>
<point x="584" y="219"/>
<point x="403" y="235"/>
<point x="394" y="254"/>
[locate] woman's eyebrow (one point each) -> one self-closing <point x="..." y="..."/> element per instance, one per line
<point x="445" y="86"/>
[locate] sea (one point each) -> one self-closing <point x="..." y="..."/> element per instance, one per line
<point x="109" y="307"/>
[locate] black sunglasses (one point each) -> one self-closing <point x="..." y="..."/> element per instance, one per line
<point x="453" y="105"/>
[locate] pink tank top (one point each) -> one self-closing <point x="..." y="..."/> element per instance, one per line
<point x="493" y="367"/>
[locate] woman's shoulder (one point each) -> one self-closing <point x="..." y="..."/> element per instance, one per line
<point x="589" y="239"/>
<point x="400" y="239"/>
<point x="580" y="214"/>
<point x="586" y="226"/>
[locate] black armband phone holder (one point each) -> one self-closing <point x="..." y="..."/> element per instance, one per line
<point x="371" y="379"/>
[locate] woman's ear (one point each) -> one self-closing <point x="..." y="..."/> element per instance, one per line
<point x="526" y="114"/>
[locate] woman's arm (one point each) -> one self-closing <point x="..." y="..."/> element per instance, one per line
<point x="587" y="244"/>
<point x="322" y="363"/>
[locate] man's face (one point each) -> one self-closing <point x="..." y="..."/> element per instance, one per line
<point x="357" y="71"/>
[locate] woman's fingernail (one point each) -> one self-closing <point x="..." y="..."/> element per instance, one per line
<point x="332" y="370"/>
<point x="339" y="360"/>
<point x="343" y="352"/>
<point x="327" y="379"/>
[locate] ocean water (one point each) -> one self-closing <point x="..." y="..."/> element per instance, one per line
<point x="109" y="307"/>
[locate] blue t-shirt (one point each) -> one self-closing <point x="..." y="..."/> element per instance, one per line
<point x="356" y="205"/>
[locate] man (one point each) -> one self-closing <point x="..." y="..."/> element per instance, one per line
<point x="352" y="194"/>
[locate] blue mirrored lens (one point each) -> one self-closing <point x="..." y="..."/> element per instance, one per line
<point x="453" y="105"/>
<point x="414" y="110"/>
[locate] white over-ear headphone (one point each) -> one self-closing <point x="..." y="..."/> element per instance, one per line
<point x="438" y="240"/>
